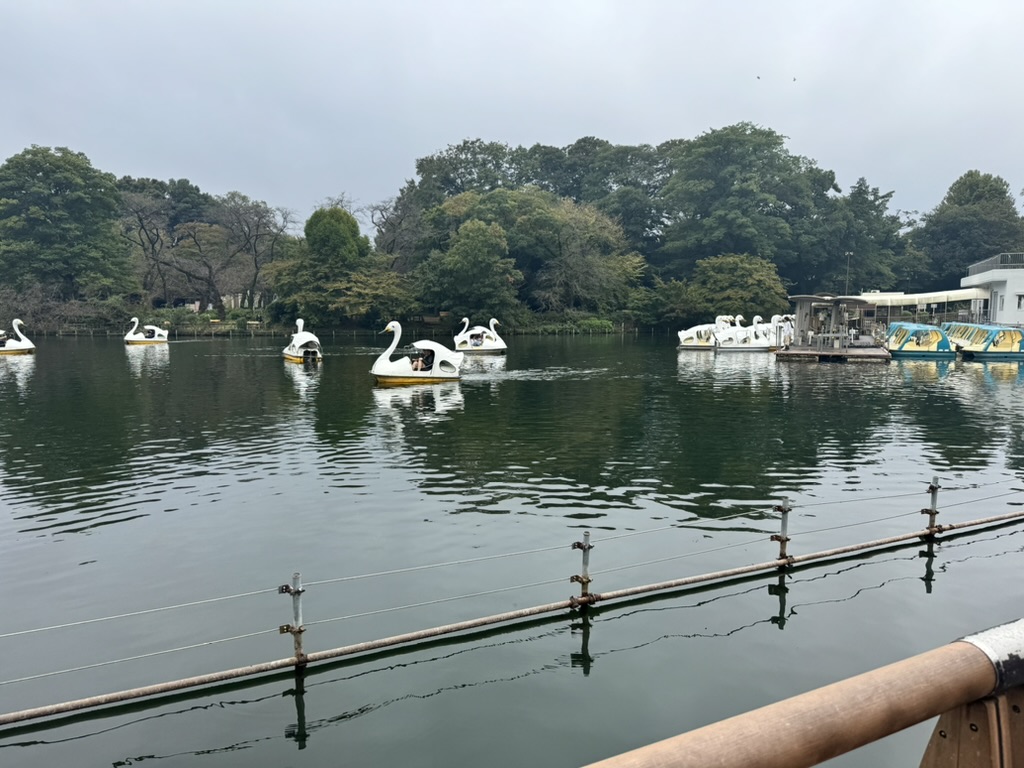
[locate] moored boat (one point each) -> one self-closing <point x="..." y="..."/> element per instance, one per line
<point x="976" y="341"/>
<point x="918" y="340"/>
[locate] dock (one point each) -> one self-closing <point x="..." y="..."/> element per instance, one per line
<point x="837" y="348"/>
<point x="833" y="355"/>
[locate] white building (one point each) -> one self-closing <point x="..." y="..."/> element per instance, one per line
<point x="1002" y="277"/>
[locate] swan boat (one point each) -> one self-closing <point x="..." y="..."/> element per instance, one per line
<point x="480" y="339"/>
<point x="756" y="337"/>
<point x="974" y="341"/>
<point x="918" y="340"/>
<point x="388" y="372"/>
<point x="703" y="336"/>
<point x="18" y="345"/>
<point x="304" y="346"/>
<point x="150" y="334"/>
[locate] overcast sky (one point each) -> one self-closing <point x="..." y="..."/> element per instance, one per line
<point x="297" y="101"/>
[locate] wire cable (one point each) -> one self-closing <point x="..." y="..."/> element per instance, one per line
<point x="136" y="658"/>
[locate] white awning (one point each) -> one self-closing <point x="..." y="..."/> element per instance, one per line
<point x="921" y="299"/>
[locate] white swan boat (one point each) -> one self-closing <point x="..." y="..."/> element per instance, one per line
<point x="443" y="364"/>
<point x="756" y="337"/>
<point x="479" y="339"/>
<point x="703" y="336"/>
<point x="304" y="346"/>
<point x="150" y="334"/>
<point x="18" y="345"/>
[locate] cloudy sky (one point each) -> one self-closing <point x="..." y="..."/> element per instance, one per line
<point x="297" y="101"/>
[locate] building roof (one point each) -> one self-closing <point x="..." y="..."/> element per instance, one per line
<point x="883" y="299"/>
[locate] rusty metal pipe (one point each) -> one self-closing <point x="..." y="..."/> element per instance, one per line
<point x="813" y="727"/>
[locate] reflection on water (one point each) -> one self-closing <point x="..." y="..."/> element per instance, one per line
<point x="424" y="402"/>
<point x="209" y="472"/>
<point x="147" y="359"/>
<point x="483" y="364"/>
<point x="305" y="377"/>
<point x="16" y="372"/>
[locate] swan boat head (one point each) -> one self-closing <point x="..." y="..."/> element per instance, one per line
<point x="446" y="363"/>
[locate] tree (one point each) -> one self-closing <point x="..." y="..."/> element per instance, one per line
<point x="474" y="276"/>
<point x="58" y="219"/>
<point x="976" y="219"/>
<point x="310" y="282"/>
<point x="737" y="190"/>
<point x="737" y="284"/>
<point x="865" y="250"/>
<point x="589" y="267"/>
<point x="260" y="233"/>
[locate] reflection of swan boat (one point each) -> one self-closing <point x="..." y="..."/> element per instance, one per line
<point x="304" y="346"/>
<point x="147" y="357"/>
<point x="150" y="334"/>
<point x="439" y="398"/>
<point x="975" y="341"/>
<point x="17" y="370"/>
<point x="18" y="345"/>
<point x="480" y="339"/>
<point x="443" y="364"/>
<point x="918" y="340"/>
<point x="304" y="378"/>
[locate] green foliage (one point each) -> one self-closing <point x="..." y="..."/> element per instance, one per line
<point x="474" y="277"/>
<point x="976" y="219"/>
<point x="737" y="284"/>
<point x="311" y="281"/>
<point x="58" y="224"/>
<point x="335" y="245"/>
<point x="375" y="293"/>
<point x="737" y="190"/>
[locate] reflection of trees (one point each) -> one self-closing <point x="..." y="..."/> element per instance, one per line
<point x="162" y="419"/>
<point x="622" y="423"/>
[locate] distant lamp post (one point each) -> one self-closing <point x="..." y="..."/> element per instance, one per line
<point x="848" y="255"/>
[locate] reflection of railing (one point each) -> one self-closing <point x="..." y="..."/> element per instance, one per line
<point x="777" y="566"/>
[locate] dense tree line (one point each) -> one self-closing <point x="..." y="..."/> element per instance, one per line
<point x="729" y="221"/>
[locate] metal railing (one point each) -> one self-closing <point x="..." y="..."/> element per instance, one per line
<point x="1000" y="261"/>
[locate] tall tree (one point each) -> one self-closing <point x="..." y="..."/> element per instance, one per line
<point x="309" y="282"/>
<point x="976" y="219"/>
<point x="58" y="224"/>
<point x="474" y="276"/>
<point x="737" y="284"/>
<point x="260" y="234"/>
<point x="737" y="190"/>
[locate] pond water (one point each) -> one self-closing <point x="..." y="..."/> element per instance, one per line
<point x="174" y="488"/>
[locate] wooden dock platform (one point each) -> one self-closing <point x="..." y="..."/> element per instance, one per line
<point x="851" y="354"/>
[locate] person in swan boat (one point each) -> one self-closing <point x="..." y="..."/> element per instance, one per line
<point x="424" y="363"/>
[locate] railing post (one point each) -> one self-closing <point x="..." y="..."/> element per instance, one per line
<point x="782" y="536"/>
<point x="295" y="629"/>
<point x="934" y="509"/>
<point x="584" y="578"/>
